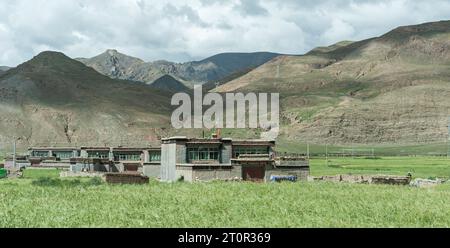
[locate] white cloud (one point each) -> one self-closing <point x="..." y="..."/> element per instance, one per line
<point x="339" y="30"/>
<point x="184" y="30"/>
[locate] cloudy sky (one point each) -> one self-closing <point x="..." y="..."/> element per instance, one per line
<point x="188" y="30"/>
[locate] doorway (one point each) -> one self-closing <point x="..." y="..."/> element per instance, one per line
<point x="254" y="173"/>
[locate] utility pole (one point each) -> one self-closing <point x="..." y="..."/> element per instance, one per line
<point x="307" y="150"/>
<point x="14" y="152"/>
<point x="448" y="138"/>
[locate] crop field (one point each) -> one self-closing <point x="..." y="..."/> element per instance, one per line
<point x="41" y="199"/>
<point x="88" y="203"/>
<point x="40" y="173"/>
<point x="432" y="149"/>
<point x="419" y="167"/>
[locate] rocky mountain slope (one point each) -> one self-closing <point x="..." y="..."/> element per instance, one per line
<point x="3" y="69"/>
<point x="389" y="89"/>
<point x="54" y="100"/>
<point x="112" y="63"/>
<point x="121" y="66"/>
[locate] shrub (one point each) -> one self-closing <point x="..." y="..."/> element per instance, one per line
<point x="95" y="181"/>
<point x="57" y="182"/>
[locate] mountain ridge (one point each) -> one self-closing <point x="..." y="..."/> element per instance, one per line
<point x="52" y="99"/>
<point x="391" y="89"/>
<point x="386" y="89"/>
<point x="117" y="65"/>
<point x="170" y="84"/>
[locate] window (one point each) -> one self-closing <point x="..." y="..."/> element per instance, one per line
<point x="249" y="150"/>
<point x="127" y="156"/>
<point x="95" y="154"/>
<point x="40" y="154"/>
<point x="155" y="156"/>
<point x="203" y="153"/>
<point x="63" y="154"/>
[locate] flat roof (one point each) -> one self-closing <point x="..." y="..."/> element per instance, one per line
<point x="253" y="159"/>
<point x="175" y="138"/>
<point x="205" y="165"/>
<point x="127" y="149"/>
<point x="93" y="148"/>
<point x="253" y="143"/>
<point x="213" y="142"/>
<point x="219" y="140"/>
<point x="52" y="148"/>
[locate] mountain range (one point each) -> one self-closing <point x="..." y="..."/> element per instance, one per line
<point x="388" y="89"/>
<point x="120" y="66"/>
<point x="55" y="100"/>
<point x="391" y="89"/>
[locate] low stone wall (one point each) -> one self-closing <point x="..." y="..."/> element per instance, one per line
<point x="125" y="178"/>
<point x="50" y="164"/>
<point x="97" y="167"/>
<point x="221" y="174"/>
<point x="426" y="183"/>
<point x="393" y="180"/>
<point x="292" y="162"/>
<point x="79" y="174"/>
<point x="377" y="179"/>
<point x="9" y="164"/>
<point x="196" y="173"/>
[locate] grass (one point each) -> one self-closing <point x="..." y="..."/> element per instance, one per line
<point x="33" y="173"/>
<point x="41" y="199"/>
<point x="420" y="167"/>
<point x="217" y="204"/>
<point x="431" y="149"/>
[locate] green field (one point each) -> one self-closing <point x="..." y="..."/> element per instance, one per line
<point x="419" y="167"/>
<point x="432" y="149"/>
<point x="38" y="173"/>
<point x="41" y="199"/>
<point x="81" y="204"/>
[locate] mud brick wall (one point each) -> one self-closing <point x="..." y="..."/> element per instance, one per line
<point x="381" y="179"/>
<point x="391" y="180"/>
<point x="125" y="178"/>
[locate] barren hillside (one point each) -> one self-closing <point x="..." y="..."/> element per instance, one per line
<point x="54" y="100"/>
<point x="389" y="89"/>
